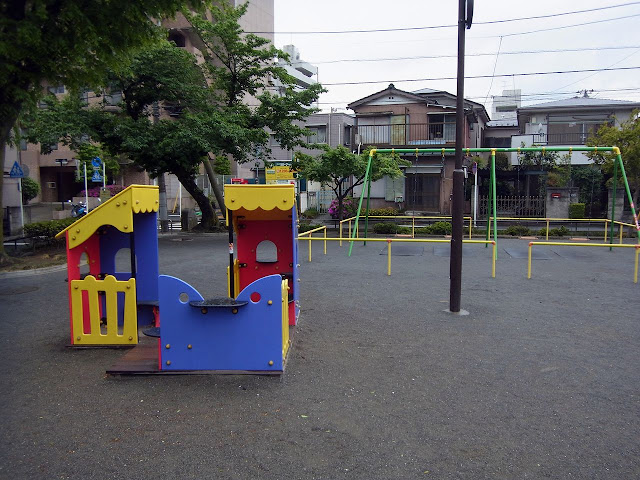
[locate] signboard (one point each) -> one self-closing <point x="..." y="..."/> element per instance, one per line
<point x="97" y="178"/>
<point x="96" y="162"/>
<point x="239" y="181"/>
<point x="279" y="174"/>
<point x="16" y="171"/>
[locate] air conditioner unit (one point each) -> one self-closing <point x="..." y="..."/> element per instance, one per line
<point x="51" y="184"/>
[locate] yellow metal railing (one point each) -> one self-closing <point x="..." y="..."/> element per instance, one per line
<point x="570" y="244"/>
<point x="401" y="217"/>
<point x="605" y="221"/>
<point x="404" y="240"/>
<point x="109" y="287"/>
<point x="309" y="232"/>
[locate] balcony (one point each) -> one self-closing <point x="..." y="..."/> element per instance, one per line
<point x="409" y="135"/>
<point x="561" y="138"/>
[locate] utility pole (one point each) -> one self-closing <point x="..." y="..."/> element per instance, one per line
<point x="465" y="14"/>
<point x="162" y="187"/>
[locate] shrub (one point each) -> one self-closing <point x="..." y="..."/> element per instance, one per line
<point x="383" y="212"/>
<point x="349" y="208"/>
<point x="385" y="228"/>
<point x="30" y="189"/>
<point x="47" y="229"/>
<point x="440" y="228"/>
<point x="542" y="232"/>
<point x="95" y="191"/>
<point x="310" y="213"/>
<point x="576" y="210"/>
<point x="305" y="227"/>
<point x="403" y="230"/>
<point x="517" y="230"/>
<point x="559" y="232"/>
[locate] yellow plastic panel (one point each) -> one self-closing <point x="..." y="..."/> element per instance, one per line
<point x="265" y="197"/>
<point x="285" y="318"/>
<point x="117" y="211"/>
<point x="110" y="288"/>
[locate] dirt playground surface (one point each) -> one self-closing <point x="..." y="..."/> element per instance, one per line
<point x="540" y="380"/>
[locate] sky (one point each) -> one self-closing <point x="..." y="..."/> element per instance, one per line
<point x="490" y="48"/>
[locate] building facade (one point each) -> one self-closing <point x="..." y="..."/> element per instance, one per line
<point x="393" y="118"/>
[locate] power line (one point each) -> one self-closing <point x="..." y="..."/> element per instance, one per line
<point x="564" y="26"/>
<point x="431" y="27"/>
<point x="493" y="75"/>
<point x="483" y="54"/>
<point x="532" y="96"/>
<point x="471" y="77"/>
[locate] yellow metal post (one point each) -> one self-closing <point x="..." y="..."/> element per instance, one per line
<point x="341" y="233"/>
<point x="547" y="229"/>
<point x="309" y="247"/>
<point x="529" y="261"/>
<point x="470" y="229"/>
<point x="621" y="233"/>
<point x="413" y="227"/>
<point x="349" y="228"/>
<point x="493" y="260"/>
<point x="605" y="229"/>
<point x="489" y="228"/>
<point x="325" y="240"/>
<point x="388" y="257"/>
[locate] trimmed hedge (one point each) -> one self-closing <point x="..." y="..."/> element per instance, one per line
<point x="517" y="231"/>
<point x="305" y="227"/>
<point x="576" y="210"/>
<point x="383" y="212"/>
<point x="47" y="229"/>
<point x="385" y="228"/>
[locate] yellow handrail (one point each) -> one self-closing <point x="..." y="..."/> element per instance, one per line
<point x="406" y="240"/>
<point x="570" y="244"/>
<point x="309" y="232"/>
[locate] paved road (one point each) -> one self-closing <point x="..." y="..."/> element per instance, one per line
<point x="540" y="380"/>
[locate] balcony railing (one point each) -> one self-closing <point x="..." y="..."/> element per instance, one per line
<point x="412" y="134"/>
<point x="561" y="138"/>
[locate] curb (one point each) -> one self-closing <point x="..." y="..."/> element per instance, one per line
<point x="35" y="271"/>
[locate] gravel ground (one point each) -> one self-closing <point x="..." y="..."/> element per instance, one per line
<point x="540" y="380"/>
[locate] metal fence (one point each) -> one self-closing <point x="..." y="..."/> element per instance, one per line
<point x="320" y="200"/>
<point x="515" y="206"/>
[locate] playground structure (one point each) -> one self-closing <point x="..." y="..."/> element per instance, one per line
<point x="618" y="165"/>
<point x="243" y="333"/>
<point x="492" y="217"/>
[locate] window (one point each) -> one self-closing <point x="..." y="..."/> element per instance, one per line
<point x="56" y="89"/>
<point x="318" y="134"/>
<point x="177" y="38"/>
<point x="347" y="135"/>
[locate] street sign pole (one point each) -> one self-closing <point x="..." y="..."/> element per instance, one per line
<point x="21" y="205"/>
<point x="86" y="189"/>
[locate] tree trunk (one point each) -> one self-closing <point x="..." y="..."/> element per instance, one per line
<point x="209" y="219"/>
<point x="214" y="186"/>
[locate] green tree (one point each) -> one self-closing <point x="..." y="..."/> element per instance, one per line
<point x="335" y="166"/>
<point x="67" y="42"/>
<point x="30" y="189"/>
<point x="207" y="103"/>
<point x="627" y="138"/>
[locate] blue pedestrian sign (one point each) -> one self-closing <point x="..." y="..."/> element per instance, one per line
<point x="96" y="177"/>
<point x="96" y="162"/>
<point x="16" y="171"/>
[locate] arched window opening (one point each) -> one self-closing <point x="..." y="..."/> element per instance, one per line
<point x="266" y="252"/>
